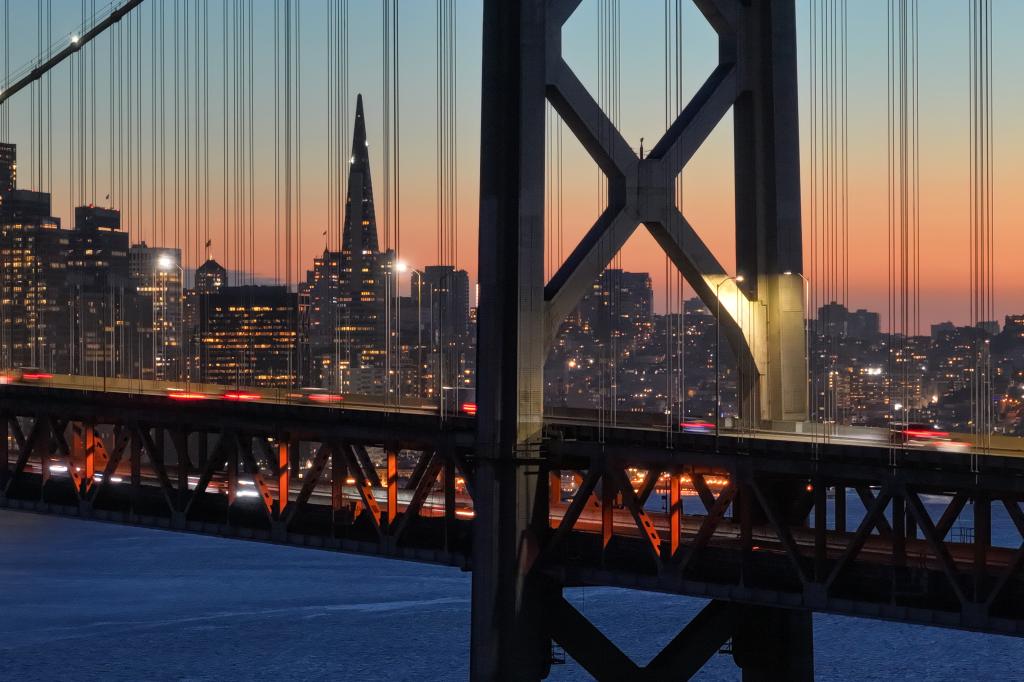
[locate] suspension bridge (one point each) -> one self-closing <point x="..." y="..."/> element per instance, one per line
<point x="323" y="408"/>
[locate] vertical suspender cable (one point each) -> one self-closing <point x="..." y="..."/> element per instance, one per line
<point x="904" y="213"/>
<point x="277" y="141"/>
<point x="680" y="310"/>
<point x="5" y="108"/>
<point x="288" y="141"/>
<point x="298" y="188"/>
<point x="982" y="307"/>
<point x="5" y="135"/>
<point x="668" y="115"/>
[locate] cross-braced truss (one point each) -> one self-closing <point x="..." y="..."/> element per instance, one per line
<point x="747" y="524"/>
<point x="389" y="497"/>
<point x="642" y="191"/>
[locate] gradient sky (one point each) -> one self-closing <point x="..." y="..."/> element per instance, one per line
<point x="707" y="181"/>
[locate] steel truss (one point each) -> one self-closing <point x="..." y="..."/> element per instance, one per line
<point x="252" y="479"/>
<point x="761" y="313"/>
<point x="777" y="534"/>
<point x="776" y="542"/>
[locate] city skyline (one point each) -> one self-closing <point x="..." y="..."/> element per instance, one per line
<point x="677" y="331"/>
<point x="707" y="188"/>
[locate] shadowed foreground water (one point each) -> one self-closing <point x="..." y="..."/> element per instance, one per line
<point x="89" y="601"/>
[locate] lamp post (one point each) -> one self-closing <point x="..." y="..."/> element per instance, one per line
<point x="718" y="352"/>
<point x="164" y="264"/>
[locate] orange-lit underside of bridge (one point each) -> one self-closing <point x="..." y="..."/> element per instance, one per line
<point x="400" y="485"/>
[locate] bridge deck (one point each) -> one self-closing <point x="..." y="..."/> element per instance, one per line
<point x="399" y="483"/>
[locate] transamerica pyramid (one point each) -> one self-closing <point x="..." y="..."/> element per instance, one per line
<point x="360" y="232"/>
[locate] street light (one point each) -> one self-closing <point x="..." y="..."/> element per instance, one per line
<point x="165" y="264"/>
<point x="718" y="352"/>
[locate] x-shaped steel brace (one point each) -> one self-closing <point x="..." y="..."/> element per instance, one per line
<point x="642" y="190"/>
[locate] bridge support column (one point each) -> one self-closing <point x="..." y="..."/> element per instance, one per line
<point x="768" y="236"/>
<point x="773" y="644"/>
<point x="510" y="637"/>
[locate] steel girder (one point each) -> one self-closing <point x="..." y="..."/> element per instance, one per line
<point x="238" y="483"/>
<point x="762" y="316"/>
<point x="752" y="544"/>
<point x="766" y="525"/>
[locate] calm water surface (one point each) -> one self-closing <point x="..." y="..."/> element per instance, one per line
<point x="89" y="601"/>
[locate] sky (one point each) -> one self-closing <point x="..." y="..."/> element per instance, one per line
<point x="707" y="181"/>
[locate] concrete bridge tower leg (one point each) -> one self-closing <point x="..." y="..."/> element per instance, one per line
<point x="769" y="242"/>
<point x="509" y="637"/>
<point x="512" y="604"/>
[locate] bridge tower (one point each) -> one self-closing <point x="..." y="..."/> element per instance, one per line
<point x="761" y="313"/>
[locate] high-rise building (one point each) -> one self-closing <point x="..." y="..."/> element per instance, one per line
<point x="157" y="276"/>
<point x="362" y="302"/>
<point x="34" y="251"/>
<point x="619" y="305"/>
<point x="8" y="174"/>
<point x="323" y="290"/>
<point x="26" y="206"/>
<point x="446" y="296"/>
<point x="35" y="320"/>
<point x="66" y="300"/>
<point x="835" y="320"/>
<point x="211" y="277"/>
<point x="250" y="337"/>
<point x="863" y="324"/>
<point x="112" y="323"/>
<point x="347" y="290"/>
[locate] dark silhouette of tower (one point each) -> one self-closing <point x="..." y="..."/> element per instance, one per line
<point x="360" y="231"/>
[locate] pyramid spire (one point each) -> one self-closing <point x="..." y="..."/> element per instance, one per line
<point x="360" y="231"/>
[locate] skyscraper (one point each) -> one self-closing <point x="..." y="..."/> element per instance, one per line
<point x="619" y="305"/>
<point x="362" y="304"/>
<point x="211" y="277"/>
<point x="8" y="174"/>
<point x="322" y="289"/>
<point x="35" y="322"/>
<point x="34" y="254"/>
<point x="111" y="322"/>
<point x="446" y="295"/>
<point x="156" y="275"/>
<point x="347" y="290"/>
<point x="249" y="336"/>
<point x="360" y="231"/>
